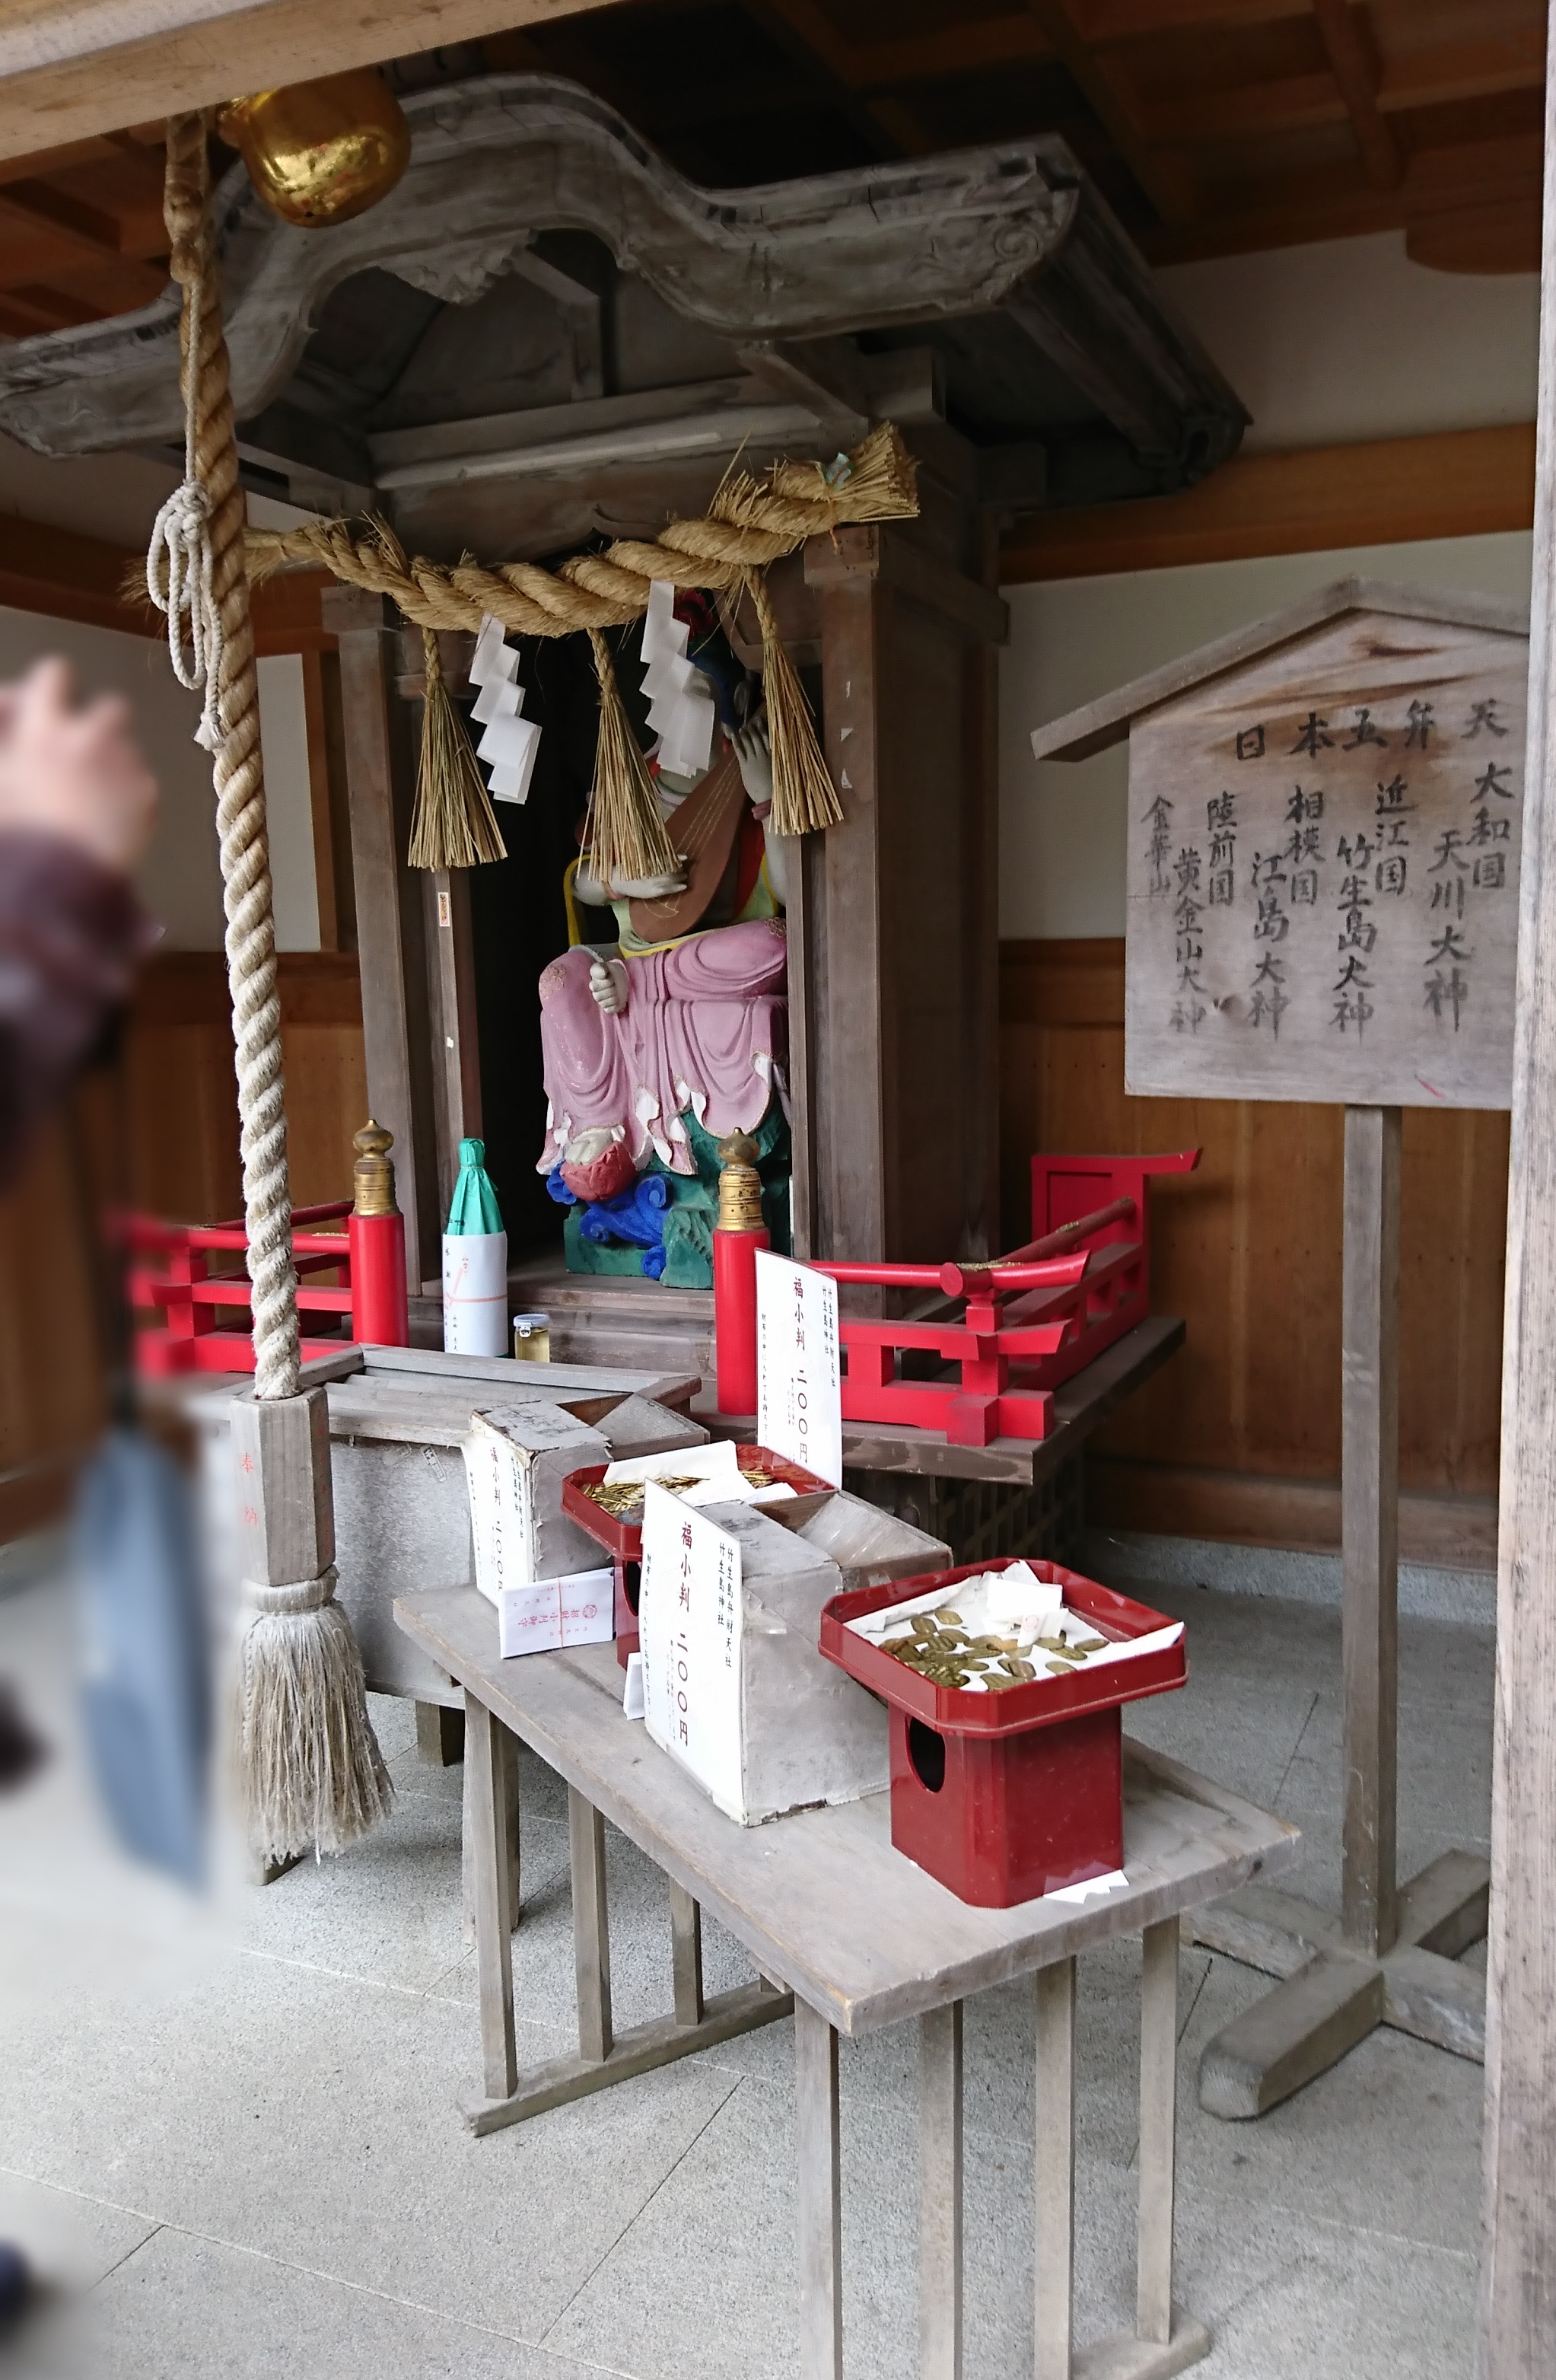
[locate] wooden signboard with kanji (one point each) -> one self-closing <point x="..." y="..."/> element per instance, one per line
<point x="1325" y="831"/>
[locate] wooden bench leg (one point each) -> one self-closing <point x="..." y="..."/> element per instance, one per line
<point x="1164" y="2339"/>
<point x="820" y="2208"/>
<point x="591" y="1925"/>
<point x="686" y="1954"/>
<point x="940" y="2194"/>
<point x="1053" y="2248"/>
<point x="1158" y="2129"/>
<point x="487" y="1823"/>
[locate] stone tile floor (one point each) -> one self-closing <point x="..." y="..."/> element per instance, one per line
<point x="229" y="2138"/>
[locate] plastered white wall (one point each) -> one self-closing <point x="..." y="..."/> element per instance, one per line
<point x="288" y="801"/>
<point x="1063" y="823"/>
<point x="1347" y="340"/>
<point x="181" y="882"/>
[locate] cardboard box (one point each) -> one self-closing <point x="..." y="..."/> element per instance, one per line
<point x="516" y="1457"/>
<point x="729" y="1613"/>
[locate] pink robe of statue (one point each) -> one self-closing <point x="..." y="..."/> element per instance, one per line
<point x="704" y="1027"/>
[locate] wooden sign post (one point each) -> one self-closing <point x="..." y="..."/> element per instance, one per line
<point x="1325" y="829"/>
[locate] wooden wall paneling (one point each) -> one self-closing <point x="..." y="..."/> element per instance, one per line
<point x="51" y="1395"/>
<point x="979" y="811"/>
<point x="390" y="924"/>
<point x="1249" y="1250"/>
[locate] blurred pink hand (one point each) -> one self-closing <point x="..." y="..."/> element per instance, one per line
<point x="75" y="772"/>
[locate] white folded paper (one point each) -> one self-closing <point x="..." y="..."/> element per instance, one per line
<point x="715" y="1468"/>
<point x="511" y="742"/>
<point x="1113" y="1883"/>
<point x="681" y="709"/>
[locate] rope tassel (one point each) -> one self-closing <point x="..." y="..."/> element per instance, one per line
<point x="623" y="829"/>
<point x="804" y="798"/>
<point x="454" y="825"/>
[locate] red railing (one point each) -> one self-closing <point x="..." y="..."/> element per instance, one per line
<point x="171" y="1275"/>
<point x="1031" y="1320"/>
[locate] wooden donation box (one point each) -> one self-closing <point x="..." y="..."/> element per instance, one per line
<point x="399" y="1421"/>
<point x="1324" y="832"/>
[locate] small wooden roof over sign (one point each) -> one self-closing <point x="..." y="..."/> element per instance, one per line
<point x="1324" y="831"/>
<point x="1098" y="726"/>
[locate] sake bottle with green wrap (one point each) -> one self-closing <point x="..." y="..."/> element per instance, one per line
<point x="475" y="1262"/>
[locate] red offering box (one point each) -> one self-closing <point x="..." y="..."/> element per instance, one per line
<point x="1005" y="1796"/>
<point x="624" y="1538"/>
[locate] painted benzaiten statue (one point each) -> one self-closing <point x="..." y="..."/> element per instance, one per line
<point x="660" y="1043"/>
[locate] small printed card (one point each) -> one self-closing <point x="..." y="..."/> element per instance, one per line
<point x="579" y="1610"/>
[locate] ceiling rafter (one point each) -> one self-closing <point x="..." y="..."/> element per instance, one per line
<point x="1163" y="179"/>
<point x="803" y="31"/>
<point x="1355" y="72"/>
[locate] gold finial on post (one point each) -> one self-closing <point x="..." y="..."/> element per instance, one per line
<point x="740" y="1185"/>
<point x="373" y="1173"/>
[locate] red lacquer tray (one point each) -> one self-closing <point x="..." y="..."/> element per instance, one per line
<point x="953" y="1711"/>
<point x="624" y="1538"/>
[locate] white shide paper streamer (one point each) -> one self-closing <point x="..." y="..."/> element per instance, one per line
<point x="681" y="709"/>
<point x="510" y="743"/>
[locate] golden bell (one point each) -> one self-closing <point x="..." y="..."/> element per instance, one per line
<point x="319" y="153"/>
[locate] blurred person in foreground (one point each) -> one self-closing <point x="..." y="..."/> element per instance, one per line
<point x="77" y="808"/>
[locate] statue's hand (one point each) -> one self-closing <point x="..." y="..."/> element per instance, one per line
<point x="647" y="888"/>
<point x="608" y="983"/>
<point x="754" y="753"/>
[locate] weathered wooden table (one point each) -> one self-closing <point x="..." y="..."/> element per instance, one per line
<point x="860" y="1937"/>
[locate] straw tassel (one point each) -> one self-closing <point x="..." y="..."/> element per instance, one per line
<point x="804" y="798"/>
<point x="623" y="832"/>
<point x="454" y="825"/>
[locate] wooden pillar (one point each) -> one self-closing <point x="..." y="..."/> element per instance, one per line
<point x="898" y="933"/>
<point x="1517" y="2329"/>
<point x="1369" y="1521"/>
<point x="390" y="928"/>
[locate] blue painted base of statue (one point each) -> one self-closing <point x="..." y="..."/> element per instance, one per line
<point x="661" y="1228"/>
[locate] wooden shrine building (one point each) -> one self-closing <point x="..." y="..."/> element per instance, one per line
<point x="546" y="334"/>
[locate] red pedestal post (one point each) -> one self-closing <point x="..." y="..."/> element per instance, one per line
<point x="734" y="1317"/>
<point x="740" y="1232"/>
<point x="376" y="1234"/>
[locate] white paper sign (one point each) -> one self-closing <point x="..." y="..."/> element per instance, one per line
<point x="689" y="1618"/>
<point x="799" y="1380"/>
<point x="501" y="1511"/>
<point x="578" y="1610"/>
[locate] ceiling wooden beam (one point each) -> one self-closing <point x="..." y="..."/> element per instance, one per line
<point x="1247" y="111"/>
<point x="805" y="34"/>
<point x="1296" y="207"/>
<point x="1451" y="71"/>
<point x="1456" y="483"/>
<point x="1347" y="50"/>
<point x="981" y="47"/>
<point x="69" y="68"/>
<point x="1163" y="179"/>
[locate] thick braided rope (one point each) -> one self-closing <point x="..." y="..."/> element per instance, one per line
<point x="752" y="523"/>
<point x="238" y="772"/>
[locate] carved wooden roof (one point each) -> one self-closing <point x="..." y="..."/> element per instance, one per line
<point x="544" y="317"/>
<point x="1208" y="125"/>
